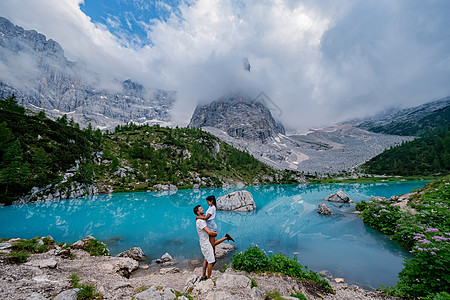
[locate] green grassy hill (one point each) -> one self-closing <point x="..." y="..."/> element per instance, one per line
<point x="36" y="152"/>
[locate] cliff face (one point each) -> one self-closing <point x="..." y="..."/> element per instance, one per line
<point x="36" y="70"/>
<point x="239" y="116"/>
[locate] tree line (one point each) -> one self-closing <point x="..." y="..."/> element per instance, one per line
<point x="34" y="150"/>
<point x="427" y="155"/>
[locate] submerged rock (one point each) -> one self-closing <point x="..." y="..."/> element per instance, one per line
<point x="237" y="201"/>
<point x="323" y="209"/>
<point x="340" y="196"/>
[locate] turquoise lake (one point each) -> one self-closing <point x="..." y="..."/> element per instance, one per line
<point x="285" y="221"/>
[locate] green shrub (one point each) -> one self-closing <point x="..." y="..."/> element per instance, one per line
<point x="440" y="296"/>
<point x="426" y="232"/>
<point x="428" y="271"/>
<point x="75" y="279"/>
<point x="299" y="296"/>
<point x="87" y="291"/>
<point x="32" y="246"/>
<point x="381" y="215"/>
<point x="18" y="257"/>
<point x="275" y="295"/>
<point x="252" y="260"/>
<point x="256" y="260"/>
<point x="96" y="248"/>
<point x="361" y="206"/>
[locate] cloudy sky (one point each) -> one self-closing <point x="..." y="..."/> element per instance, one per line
<point x="319" y="61"/>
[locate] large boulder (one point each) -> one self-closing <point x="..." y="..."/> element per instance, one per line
<point x="340" y="196"/>
<point x="223" y="249"/>
<point x="237" y="201"/>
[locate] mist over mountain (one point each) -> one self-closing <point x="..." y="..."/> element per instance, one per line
<point x="37" y="72"/>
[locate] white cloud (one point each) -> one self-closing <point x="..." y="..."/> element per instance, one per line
<point x="319" y="61"/>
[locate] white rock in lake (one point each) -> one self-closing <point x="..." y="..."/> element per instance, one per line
<point x="237" y="201"/>
<point x="340" y="196"/>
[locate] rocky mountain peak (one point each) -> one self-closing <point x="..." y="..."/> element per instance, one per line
<point x="239" y="116"/>
<point x="17" y="39"/>
<point x="46" y="80"/>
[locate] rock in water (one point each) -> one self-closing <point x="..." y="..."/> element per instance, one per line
<point x="323" y="209"/>
<point x="237" y="201"/>
<point x="340" y="196"/>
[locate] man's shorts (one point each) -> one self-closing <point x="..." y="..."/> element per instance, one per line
<point x="208" y="253"/>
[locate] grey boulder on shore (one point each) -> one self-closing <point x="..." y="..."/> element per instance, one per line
<point x="241" y="201"/>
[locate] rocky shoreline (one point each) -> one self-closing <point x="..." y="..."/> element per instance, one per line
<point x="46" y="276"/>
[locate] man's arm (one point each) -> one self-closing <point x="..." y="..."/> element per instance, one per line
<point x="203" y="217"/>
<point x="209" y="231"/>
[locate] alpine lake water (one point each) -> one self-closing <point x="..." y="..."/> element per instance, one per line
<point x="285" y="221"/>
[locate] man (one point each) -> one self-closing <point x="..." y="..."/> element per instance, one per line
<point x="207" y="250"/>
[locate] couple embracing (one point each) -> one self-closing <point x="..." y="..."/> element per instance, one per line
<point x="207" y="232"/>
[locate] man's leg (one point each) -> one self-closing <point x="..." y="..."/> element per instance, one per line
<point x="205" y="264"/>
<point x="210" y="266"/>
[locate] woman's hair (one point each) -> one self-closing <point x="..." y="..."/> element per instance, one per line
<point x="213" y="199"/>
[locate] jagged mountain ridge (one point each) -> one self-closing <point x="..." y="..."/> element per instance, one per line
<point x="416" y="120"/>
<point x="38" y="73"/>
<point x="239" y="116"/>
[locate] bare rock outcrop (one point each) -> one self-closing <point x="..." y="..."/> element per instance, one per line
<point x="241" y="201"/>
<point x="160" y="292"/>
<point x="135" y="253"/>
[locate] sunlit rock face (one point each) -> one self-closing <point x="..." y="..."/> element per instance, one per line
<point x="239" y="116"/>
<point x="41" y="77"/>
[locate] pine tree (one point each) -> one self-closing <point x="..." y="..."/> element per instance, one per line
<point x="40" y="166"/>
<point x="14" y="173"/>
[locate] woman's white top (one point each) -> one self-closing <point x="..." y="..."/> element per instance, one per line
<point x="212" y="211"/>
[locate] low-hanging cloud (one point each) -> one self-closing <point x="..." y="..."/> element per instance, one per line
<point x="319" y="62"/>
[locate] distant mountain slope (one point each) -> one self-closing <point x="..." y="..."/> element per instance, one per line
<point x="413" y="121"/>
<point x="427" y="155"/>
<point x="37" y="72"/>
<point x="328" y="150"/>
